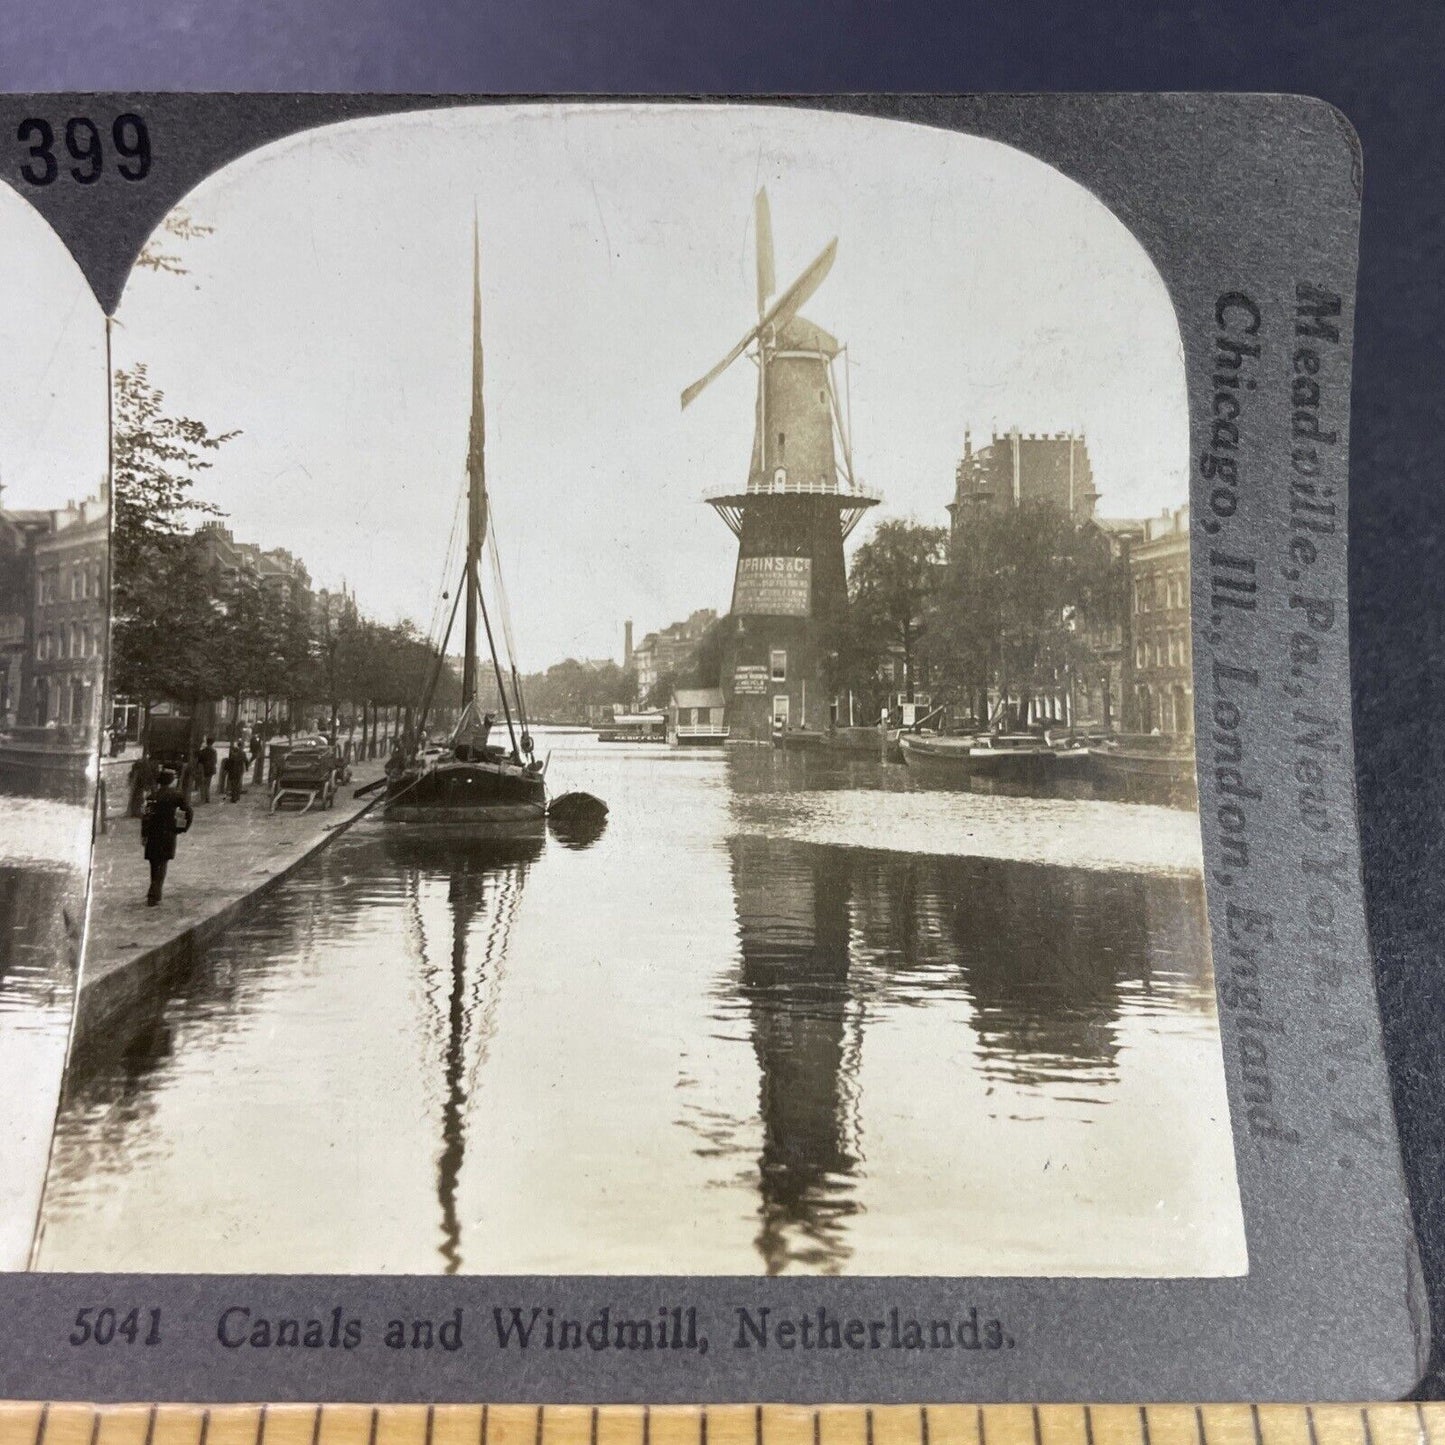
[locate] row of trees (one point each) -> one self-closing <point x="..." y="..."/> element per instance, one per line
<point x="565" y="691"/>
<point x="1000" y="611"/>
<point x="182" y="634"/>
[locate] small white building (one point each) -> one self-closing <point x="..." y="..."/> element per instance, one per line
<point x="697" y="716"/>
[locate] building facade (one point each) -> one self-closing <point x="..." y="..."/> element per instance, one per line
<point x="1019" y="468"/>
<point x="670" y="651"/>
<point x="1162" y="684"/>
<point x="1103" y="688"/>
<point x="69" y="580"/>
<point x="17" y="609"/>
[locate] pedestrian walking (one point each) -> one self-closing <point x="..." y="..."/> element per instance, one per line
<point x="235" y="772"/>
<point x="160" y="826"/>
<point x="258" y="758"/>
<point x="206" y="763"/>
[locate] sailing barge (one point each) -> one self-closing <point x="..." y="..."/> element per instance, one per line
<point x="471" y="786"/>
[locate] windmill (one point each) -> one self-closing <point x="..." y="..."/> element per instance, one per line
<point x="800" y="503"/>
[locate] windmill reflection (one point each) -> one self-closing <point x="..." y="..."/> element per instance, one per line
<point x="484" y="880"/>
<point x="833" y="941"/>
<point x="793" y="906"/>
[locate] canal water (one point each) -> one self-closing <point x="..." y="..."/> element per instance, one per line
<point x="785" y="1014"/>
<point x="43" y="847"/>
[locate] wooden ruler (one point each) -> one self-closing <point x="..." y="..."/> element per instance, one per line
<point x="70" y="1424"/>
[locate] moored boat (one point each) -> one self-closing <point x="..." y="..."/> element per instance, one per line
<point x="472" y="786"/>
<point x="1147" y="768"/>
<point x="640" y="727"/>
<point x="1013" y="758"/>
<point x="939" y="753"/>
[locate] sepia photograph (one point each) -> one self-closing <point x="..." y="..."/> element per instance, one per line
<point x="648" y="721"/>
<point x="54" y="542"/>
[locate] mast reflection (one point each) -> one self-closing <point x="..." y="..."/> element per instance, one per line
<point x="484" y="880"/>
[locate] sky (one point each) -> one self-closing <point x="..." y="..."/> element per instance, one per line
<point x="326" y="317"/>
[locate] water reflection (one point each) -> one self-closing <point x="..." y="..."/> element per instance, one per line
<point x="686" y="1046"/>
<point x="483" y="881"/>
<point x="41" y="908"/>
<point x="1042" y="963"/>
<point x="793" y="927"/>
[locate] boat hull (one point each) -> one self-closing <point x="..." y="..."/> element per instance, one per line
<point x="474" y="799"/>
<point x="1138" y="775"/>
<point x="947" y="757"/>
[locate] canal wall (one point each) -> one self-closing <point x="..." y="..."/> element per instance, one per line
<point x="233" y="854"/>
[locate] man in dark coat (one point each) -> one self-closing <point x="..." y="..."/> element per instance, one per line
<point x="160" y="825"/>
<point x="234" y="772"/>
<point x="206" y="762"/>
<point x="143" y="774"/>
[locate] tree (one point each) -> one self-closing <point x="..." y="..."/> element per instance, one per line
<point x="178" y="225"/>
<point x="165" y="618"/>
<point x="1006" y="620"/>
<point x="894" y="577"/>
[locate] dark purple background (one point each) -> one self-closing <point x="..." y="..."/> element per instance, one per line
<point x="1384" y="65"/>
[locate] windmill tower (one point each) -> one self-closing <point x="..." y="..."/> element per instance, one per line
<point x="800" y="503"/>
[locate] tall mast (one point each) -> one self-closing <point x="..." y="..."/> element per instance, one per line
<point x="476" y="481"/>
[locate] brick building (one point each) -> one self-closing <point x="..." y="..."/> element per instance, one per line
<point x="228" y="559"/>
<point x="1018" y="468"/>
<point x="1103" y="690"/>
<point x="18" y="530"/>
<point x="69" y="579"/>
<point x="1162" y="685"/>
<point x="669" y="652"/>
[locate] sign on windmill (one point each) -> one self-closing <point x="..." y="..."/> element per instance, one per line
<point x="773" y="587"/>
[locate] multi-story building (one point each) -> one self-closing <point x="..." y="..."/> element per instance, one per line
<point x="1102" y="689"/>
<point x="669" y="652"/>
<point x="227" y="559"/>
<point x="18" y="529"/>
<point x="1018" y="468"/>
<point x="1162" y="686"/>
<point x="69" y="580"/>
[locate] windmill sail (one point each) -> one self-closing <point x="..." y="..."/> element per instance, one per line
<point x="781" y="311"/>
<point x="767" y="279"/>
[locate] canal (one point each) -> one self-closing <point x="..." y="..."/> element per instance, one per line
<point x="43" y="847"/>
<point x="786" y="1014"/>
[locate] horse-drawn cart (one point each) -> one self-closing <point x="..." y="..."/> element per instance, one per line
<point x="309" y="774"/>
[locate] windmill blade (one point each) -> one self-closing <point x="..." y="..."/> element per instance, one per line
<point x="767" y="277"/>
<point x="691" y="393"/>
<point x="781" y="311"/>
<point x="797" y="295"/>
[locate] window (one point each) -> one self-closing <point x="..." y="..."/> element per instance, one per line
<point x="778" y="665"/>
<point x="1140" y="655"/>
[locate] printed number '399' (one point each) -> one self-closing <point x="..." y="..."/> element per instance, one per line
<point x="106" y="1326"/>
<point x="82" y="143"/>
